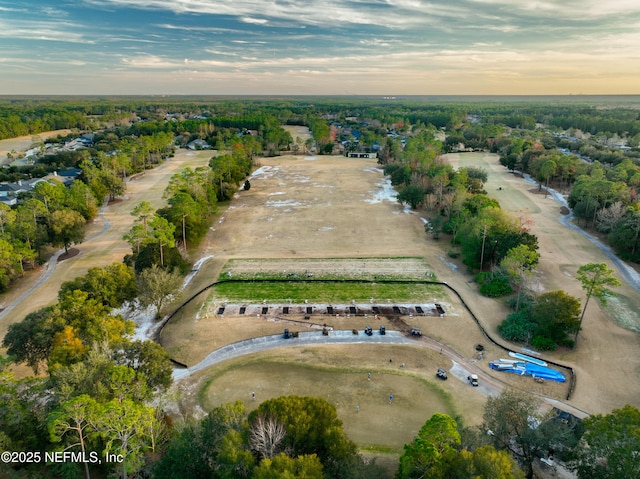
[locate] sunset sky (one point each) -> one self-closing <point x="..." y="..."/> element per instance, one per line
<point x="330" y="47"/>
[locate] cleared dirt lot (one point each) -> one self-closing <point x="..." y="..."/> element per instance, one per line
<point x="315" y="207"/>
<point x="22" y="143"/>
<point x="300" y="209"/>
<point x="303" y="208"/>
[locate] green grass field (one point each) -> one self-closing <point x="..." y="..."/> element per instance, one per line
<point x="297" y="280"/>
<point x="325" y="292"/>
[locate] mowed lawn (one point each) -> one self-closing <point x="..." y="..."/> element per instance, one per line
<point x="378" y="425"/>
<point x="324" y="292"/>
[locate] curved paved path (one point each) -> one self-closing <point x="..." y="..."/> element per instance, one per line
<point x="630" y="275"/>
<point x="462" y="367"/>
<point x="50" y="267"/>
<point x="53" y="261"/>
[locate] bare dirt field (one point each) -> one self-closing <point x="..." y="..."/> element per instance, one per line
<point x="22" y="143"/>
<point x="300" y="134"/>
<point x="329" y="207"/>
<point x="302" y="209"/>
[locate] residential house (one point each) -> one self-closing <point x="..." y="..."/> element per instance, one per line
<point x="9" y="191"/>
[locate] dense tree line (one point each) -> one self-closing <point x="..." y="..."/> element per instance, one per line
<point x="192" y="197"/>
<point x="21" y="121"/>
<point x="52" y="214"/>
<point x="608" y="446"/>
<point x="98" y="385"/>
<point x="220" y="132"/>
<point x="490" y="240"/>
<point x="290" y="436"/>
<point x="437" y="452"/>
<point x="516" y="431"/>
<point x="604" y="197"/>
<point x="620" y="118"/>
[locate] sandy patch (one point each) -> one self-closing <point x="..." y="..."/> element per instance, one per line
<point x="23" y="143"/>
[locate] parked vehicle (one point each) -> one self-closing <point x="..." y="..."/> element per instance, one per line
<point x="368" y="331"/>
<point x="473" y="380"/>
<point x="442" y="374"/>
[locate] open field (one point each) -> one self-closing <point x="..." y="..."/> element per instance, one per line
<point x="258" y="236"/>
<point x="22" y="143"/>
<point x="339" y="375"/>
<point x="299" y="133"/>
<point x="366" y="269"/>
<point x="313" y="210"/>
<point x="324" y="292"/>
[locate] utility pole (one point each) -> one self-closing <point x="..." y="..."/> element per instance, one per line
<point x="484" y="237"/>
<point x="184" y="235"/>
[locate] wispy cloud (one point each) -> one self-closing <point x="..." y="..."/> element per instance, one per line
<point x="576" y="9"/>
<point x="389" y="14"/>
<point x="255" y="21"/>
<point x="339" y="46"/>
<point x="39" y="30"/>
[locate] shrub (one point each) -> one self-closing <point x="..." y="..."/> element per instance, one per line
<point x="567" y="343"/>
<point x="526" y="301"/>
<point x="150" y="255"/>
<point x="516" y="327"/>
<point x="493" y="285"/>
<point x="543" y="344"/>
